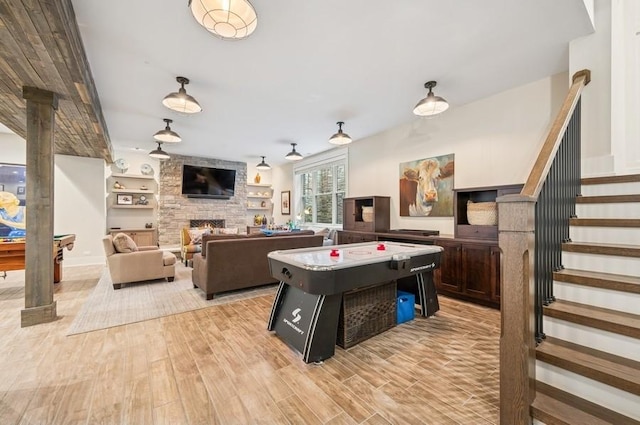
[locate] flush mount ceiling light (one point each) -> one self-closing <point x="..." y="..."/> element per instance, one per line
<point x="226" y="19"/>
<point x="340" y="138"/>
<point x="158" y="153"/>
<point x="263" y="165"/>
<point x="432" y="104"/>
<point x="293" y="155"/>
<point x="180" y="101"/>
<point x="167" y="135"/>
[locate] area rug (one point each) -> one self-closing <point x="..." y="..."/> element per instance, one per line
<point x="106" y="307"/>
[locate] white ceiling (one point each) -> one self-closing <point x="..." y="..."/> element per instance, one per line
<point x="310" y="64"/>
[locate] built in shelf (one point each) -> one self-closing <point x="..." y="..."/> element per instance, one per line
<point x="259" y="184"/>
<point x="261" y="196"/>
<point x="132" y="176"/>
<point x="150" y="192"/>
<point x="137" y="207"/>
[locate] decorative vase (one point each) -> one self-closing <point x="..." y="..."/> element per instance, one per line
<point x="256" y="179"/>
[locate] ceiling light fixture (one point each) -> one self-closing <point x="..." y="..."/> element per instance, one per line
<point x="158" y="153"/>
<point x="226" y="19"/>
<point x="167" y="135"/>
<point x="180" y="101"/>
<point x="263" y="165"/>
<point x="293" y="155"/>
<point x="340" y="138"/>
<point x="432" y="104"/>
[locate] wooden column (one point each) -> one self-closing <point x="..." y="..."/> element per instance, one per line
<point x="517" y="343"/>
<point x="38" y="294"/>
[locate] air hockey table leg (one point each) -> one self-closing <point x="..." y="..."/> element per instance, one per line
<point x="307" y="322"/>
<point x="427" y="293"/>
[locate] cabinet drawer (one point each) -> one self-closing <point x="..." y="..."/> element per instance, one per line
<point x="477" y="232"/>
<point x="363" y="226"/>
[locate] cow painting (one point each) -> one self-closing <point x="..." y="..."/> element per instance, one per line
<point x="426" y="187"/>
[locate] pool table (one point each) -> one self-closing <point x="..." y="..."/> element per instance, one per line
<point x="12" y="254"/>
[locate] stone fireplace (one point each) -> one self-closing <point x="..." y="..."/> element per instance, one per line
<point x="176" y="211"/>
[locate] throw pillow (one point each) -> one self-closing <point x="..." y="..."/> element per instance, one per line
<point x="229" y="231"/>
<point x="123" y="243"/>
<point x="324" y="232"/>
<point x="196" y="234"/>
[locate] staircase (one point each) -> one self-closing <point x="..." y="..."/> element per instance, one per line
<point x="588" y="367"/>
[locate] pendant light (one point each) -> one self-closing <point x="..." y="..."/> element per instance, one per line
<point x="226" y="19"/>
<point x="340" y="138"/>
<point x="293" y="155"/>
<point x="158" y="153"/>
<point x="432" y="104"/>
<point x="263" y="165"/>
<point x="167" y="135"/>
<point x="180" y="101"/>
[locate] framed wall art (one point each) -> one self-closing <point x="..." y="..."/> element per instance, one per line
<point x="426" y="187"/>
<point x="285" y="199"/>
<point x="124" y="199"/>
<point x="12" y="200"/>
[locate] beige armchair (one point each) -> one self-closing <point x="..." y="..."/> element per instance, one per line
<point x="147" y="263"/>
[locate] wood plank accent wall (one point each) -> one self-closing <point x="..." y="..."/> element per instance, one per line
<point x="40" y="46"/>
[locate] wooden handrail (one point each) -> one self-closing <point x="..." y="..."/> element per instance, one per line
<point x="548" y="152"/>
<point x="516" y="238"/>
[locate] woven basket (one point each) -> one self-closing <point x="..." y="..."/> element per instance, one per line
<point x="482" y="213"/>
<point x="366" y="312"/>
<point x="367" y="214"/>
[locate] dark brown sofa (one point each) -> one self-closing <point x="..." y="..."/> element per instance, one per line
<point x="230" y="262"/>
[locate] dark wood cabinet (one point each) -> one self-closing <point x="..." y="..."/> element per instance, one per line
<point x="446" y="276"/>
<point x="345" y="237"/>
<point x="463" y="227"/>
<point x="476" y="271"/>
<point x="469" y="270"/>
<point x="366" y="214"/>
<point x="496" y="262"/>
<point x="470" y="263"/>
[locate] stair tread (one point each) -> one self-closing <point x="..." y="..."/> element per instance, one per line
<point x="606" y="199"/>
<point x="607" y="368"/>
<point x="553" y="405"/>
<point x="605" y="222"/>
<point x="624" y="250"/>
<point x="602" y="318"/>
<point x="625" y="178"/>
<point x="611" y="281"/>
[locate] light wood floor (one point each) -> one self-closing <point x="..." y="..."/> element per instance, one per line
<point x="219" y="365"/>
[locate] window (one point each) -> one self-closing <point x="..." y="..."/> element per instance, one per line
<point x="321" y="187"/>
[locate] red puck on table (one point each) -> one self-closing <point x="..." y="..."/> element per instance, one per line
<point x="334" y="253"/>
<point x="381" y="247"/>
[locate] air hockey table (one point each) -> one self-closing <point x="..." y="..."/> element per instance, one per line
<point x="306" y="308"/>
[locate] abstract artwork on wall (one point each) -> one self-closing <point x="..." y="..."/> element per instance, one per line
<point x="426" y="187"/>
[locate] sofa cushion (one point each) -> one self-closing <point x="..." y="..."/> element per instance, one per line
<point x="207" y="238"/>
<point x="168" y="258"/>
<point x="229" y="231"/>
<point x="123" y="243"/>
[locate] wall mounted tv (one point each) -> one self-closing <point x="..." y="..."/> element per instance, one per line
<point x="207" y="182"/>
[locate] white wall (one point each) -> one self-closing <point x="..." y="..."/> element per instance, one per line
<point x="611" y="105"/>
<point x="79" y="199"/>
<point x="495" y="142"/>
<point x="79" y="207"/>
<point x="282" y="179"/>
